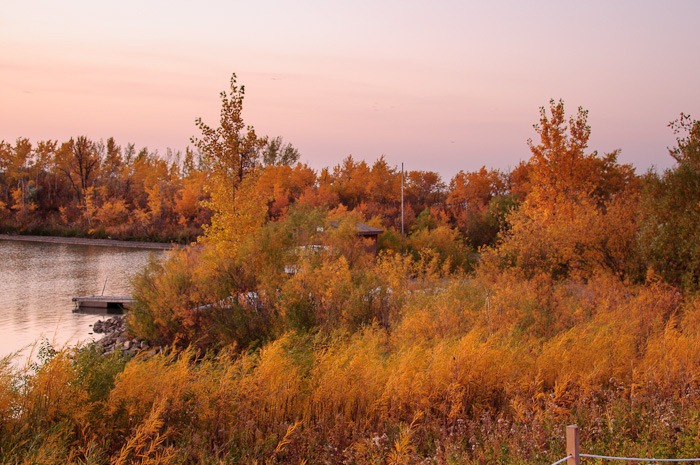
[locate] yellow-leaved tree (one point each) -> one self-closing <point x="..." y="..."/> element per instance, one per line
<point x="198" y="295"/>
<point x="231" y="154"/>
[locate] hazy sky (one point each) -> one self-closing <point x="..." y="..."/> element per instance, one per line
<point x="442" y="85"/>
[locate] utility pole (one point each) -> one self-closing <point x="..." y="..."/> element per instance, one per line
<point x="402" y="231"/>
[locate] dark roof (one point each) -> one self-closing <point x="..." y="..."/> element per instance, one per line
<point x="365" y="230"/>
<point x="361" y="228"/>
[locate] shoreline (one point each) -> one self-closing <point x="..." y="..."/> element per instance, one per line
<point x="116" y="338"/>
<point x="89" y="241"/>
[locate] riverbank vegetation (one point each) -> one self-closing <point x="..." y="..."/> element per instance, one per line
<point x="562" y="292"/>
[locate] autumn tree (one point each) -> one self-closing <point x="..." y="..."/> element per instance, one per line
<point x="190" y="199"/>
<point x="519" y="184"/>
<point x="14" y="166"/>
<point x="79" y="161"/>
<point x="687" y="149"/>
<point x="424" y="189"/>
<point x="382" y="197"/>
<point x="350" y="180"/>
<point x="670" y="231"/>
<point x="232" y="150"/>
<point x="322" y="194"/>
<point x="567" y="224"/>
<point x="277" y="153"/>
<point x="112" y="166"/>
<point x="432" y="236"/>
<point x="474" y="200"/>
<point x="43" y="172"/>
<point x="284" y="185"/>
<point x="230" y="153"/>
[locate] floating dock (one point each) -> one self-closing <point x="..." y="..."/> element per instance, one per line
<point x="113" y="304"/>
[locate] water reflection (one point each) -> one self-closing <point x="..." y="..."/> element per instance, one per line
<point x="38" y="280"/>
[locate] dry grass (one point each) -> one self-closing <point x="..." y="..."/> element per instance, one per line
<point x="485" y="370"/>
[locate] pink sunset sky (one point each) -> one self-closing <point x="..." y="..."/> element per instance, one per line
<point x="443" y="86"/>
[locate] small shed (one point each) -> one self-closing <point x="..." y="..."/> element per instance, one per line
<point x="371" y="232"/>
<point x="364" y="231"/>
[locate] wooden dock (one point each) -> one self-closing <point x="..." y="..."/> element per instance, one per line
<point x="113" y="304"/>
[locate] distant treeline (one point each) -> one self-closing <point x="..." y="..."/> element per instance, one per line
<point x="92" y="188"/>
<point x="84" y="187"/>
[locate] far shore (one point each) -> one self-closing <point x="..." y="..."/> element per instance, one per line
<point x="88" y="241"/>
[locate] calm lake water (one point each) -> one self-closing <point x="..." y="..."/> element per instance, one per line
<point x="38" y="280"/>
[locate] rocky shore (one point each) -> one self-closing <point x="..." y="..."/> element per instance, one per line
<point x="116" y="337"/>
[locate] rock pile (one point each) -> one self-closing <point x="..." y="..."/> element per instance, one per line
<point x="116" y="338"/>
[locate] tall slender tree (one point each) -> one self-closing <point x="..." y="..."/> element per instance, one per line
<point x="232" y="150"/>
<point x="230" y="154"/>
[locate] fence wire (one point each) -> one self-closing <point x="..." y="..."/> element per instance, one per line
<point x="627" y="459"/>
<point x="637" y="459"/>
<point x="562" y="460"/>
